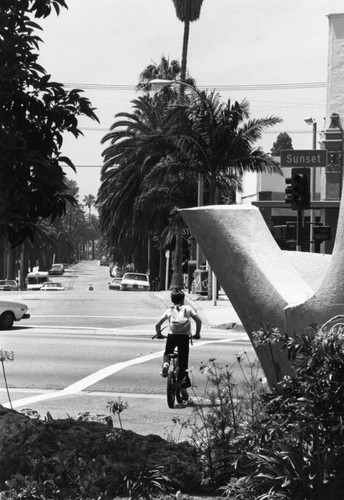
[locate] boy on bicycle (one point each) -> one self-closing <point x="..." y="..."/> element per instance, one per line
<point x="179" y="333"/>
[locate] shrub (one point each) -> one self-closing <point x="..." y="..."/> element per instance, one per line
<point x="298" y="451"/>
<point x="222" y="414"/>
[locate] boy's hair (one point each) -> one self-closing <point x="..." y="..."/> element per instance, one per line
<point x="177" y="295"/>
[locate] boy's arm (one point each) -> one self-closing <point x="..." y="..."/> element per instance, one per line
<point x="158" y="327"/>
<point x="198" y="322"/>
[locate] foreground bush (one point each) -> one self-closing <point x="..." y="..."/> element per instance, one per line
<point x="83" y="460"/>
<point x="297" y="449"/>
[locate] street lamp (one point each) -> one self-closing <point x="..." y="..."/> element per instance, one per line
<point x="312" y="121"/>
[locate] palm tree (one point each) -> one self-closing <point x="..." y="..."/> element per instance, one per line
<point x="135" y="145"/>
<point x="159" y="146"/>
<point x="138" y="191"/>
<point x="167" y="70"/>
<point x="187" y="11"/>
<point x="219" y="140"/>
<point x="164" y="69"/>
<point x="89" y="201"/>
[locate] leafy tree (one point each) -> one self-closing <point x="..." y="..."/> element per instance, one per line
<point x="283" y="141"/>
<point x="34" y="114"/>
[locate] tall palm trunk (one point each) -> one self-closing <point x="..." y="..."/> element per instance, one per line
<point x="185" y="41"/>
<point x="177" y="276"/>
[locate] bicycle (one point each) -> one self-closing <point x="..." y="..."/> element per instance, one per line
<point x="174" y="391"/>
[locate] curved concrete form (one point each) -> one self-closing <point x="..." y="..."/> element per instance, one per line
<point x="328" y="300"/>
<point x="259" y="279"/>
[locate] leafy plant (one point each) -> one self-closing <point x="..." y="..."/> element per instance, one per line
<point x="299" y="447"/>
<point x="6" y="356"/>
<point x="116" y="407"/>
<point x="140" y="482"/>
<point x="222" y="414"/>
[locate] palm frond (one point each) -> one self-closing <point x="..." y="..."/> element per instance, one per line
<point x="188" y="10"/>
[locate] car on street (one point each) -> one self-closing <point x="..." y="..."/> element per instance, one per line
<point x="11" y="312"/>
<point x="52" y="286"/>
<point x="8" y="285"/>
<point x="116" y="283"/>
<point x="57" y="269"/>
<point x="135" y="281"/>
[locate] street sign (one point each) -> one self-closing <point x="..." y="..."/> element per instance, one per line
<point x="186" y="233"/>
<point x="303" y="158"/>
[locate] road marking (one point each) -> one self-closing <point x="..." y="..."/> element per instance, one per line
<point x="84" y="316"/>
<point x="95" y="377"/>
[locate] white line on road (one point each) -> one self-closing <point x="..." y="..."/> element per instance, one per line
<point x="95" y="377"/>
<point x="84" y="316"/>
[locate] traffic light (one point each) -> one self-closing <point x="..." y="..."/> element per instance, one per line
<point x="298" y="189"/>
<point x="301" y="198"/>
<point x="288" y="190"/>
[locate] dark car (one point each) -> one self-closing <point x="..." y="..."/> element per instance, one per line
<point x="8" y="285"/>
<point x="56" y="269"/>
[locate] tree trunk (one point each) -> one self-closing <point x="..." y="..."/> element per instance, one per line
<point x="21" y="270"/>
<point x="185" y="43"/>
<point x="162" y="266"/>
<point x="177" y="276"/>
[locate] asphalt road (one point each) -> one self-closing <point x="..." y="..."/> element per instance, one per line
<point x="82" y="348"/>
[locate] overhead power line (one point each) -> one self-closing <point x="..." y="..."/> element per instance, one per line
<point x="262" y="86"/>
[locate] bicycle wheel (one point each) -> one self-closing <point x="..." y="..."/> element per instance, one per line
<point x="178" y="393"/>
<point x="171" y="388"/>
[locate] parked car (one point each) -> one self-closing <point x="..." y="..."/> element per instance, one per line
<point x="52" y="286"/>
<point x="8" y="285"/>
<point x="116" y="283"/>
<point x="135" y="281"/>
<point x="10" y="312"/>
<point x="57" y="269"/>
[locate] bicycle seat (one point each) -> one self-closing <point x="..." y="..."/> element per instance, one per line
<point x="173" y="355"/>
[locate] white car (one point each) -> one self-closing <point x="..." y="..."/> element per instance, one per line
<point x="52" y="286"/>
<point x="116" y="283"/>
<point x="10" y="312"/>
<point x="135" y="281"/>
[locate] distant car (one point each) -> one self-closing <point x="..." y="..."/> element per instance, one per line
<point x="52" y="286"/>
<point x="116" y="283"/>
<point x="10" y="312"/>
<point x="8" y="285"/>
<point x="57" y="269"/>
<point x="135" y="281"/>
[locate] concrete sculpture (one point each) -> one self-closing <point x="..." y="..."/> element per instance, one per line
<point x="262" y="282"/>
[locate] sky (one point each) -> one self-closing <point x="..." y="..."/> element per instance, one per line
<point x="271" y="52"/>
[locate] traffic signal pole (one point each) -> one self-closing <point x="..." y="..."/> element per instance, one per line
<point x="299" y="230"/>
<point x="298" y="195"/>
